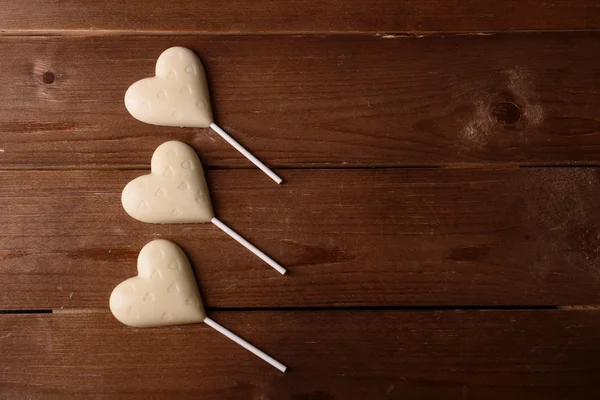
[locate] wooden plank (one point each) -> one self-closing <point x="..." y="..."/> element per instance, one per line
<point x="518" y="99"/>
<point x="348" y="237"/>
<point x="267" y="16"/>
<point x="331" y="355"/>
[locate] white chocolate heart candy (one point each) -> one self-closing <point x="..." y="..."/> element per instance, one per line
<point x="164" y="292"/>
<point x="176" y="96"/>
<point x="174" y="192"/>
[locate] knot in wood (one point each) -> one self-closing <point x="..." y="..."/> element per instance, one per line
<point x="48" y="77"/>
<point x="506" y="113"/>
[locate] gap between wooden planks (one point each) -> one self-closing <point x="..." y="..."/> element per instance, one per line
<point x="309" y="16"/>
<point x="381" y="237"/>
<point x="313" y="101"/>
<point x="332" y="355"/>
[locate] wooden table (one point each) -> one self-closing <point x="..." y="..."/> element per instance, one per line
<point x="440" y="216"/>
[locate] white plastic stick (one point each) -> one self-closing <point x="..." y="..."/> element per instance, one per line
<point x="245" y="344"/>
<point x="248" y="245"/>
<point x="245" y="152"/>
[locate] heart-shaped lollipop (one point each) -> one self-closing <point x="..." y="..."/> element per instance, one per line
<point x="178" y="96"/>
<point x="165" y="293"/>
<point x="176" y="192"/>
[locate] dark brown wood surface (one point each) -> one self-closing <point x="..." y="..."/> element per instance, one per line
<point x="475" y="279"/>
<point x="390" y="237"/>
<point x="309" y="16"/>
<point x="313" y="101"/>
<point x="333" y="355"/>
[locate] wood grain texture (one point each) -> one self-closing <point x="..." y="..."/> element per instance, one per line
<point x="311" y="101"/>
<point x="311" y="16"/>
<point x="348" y="237"/>
<point x="331" y="355"/>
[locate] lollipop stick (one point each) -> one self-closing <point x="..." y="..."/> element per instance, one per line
<point x="246" y="153"/>
<point x="245" y="344"/>
<point x="248" y="245"/>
